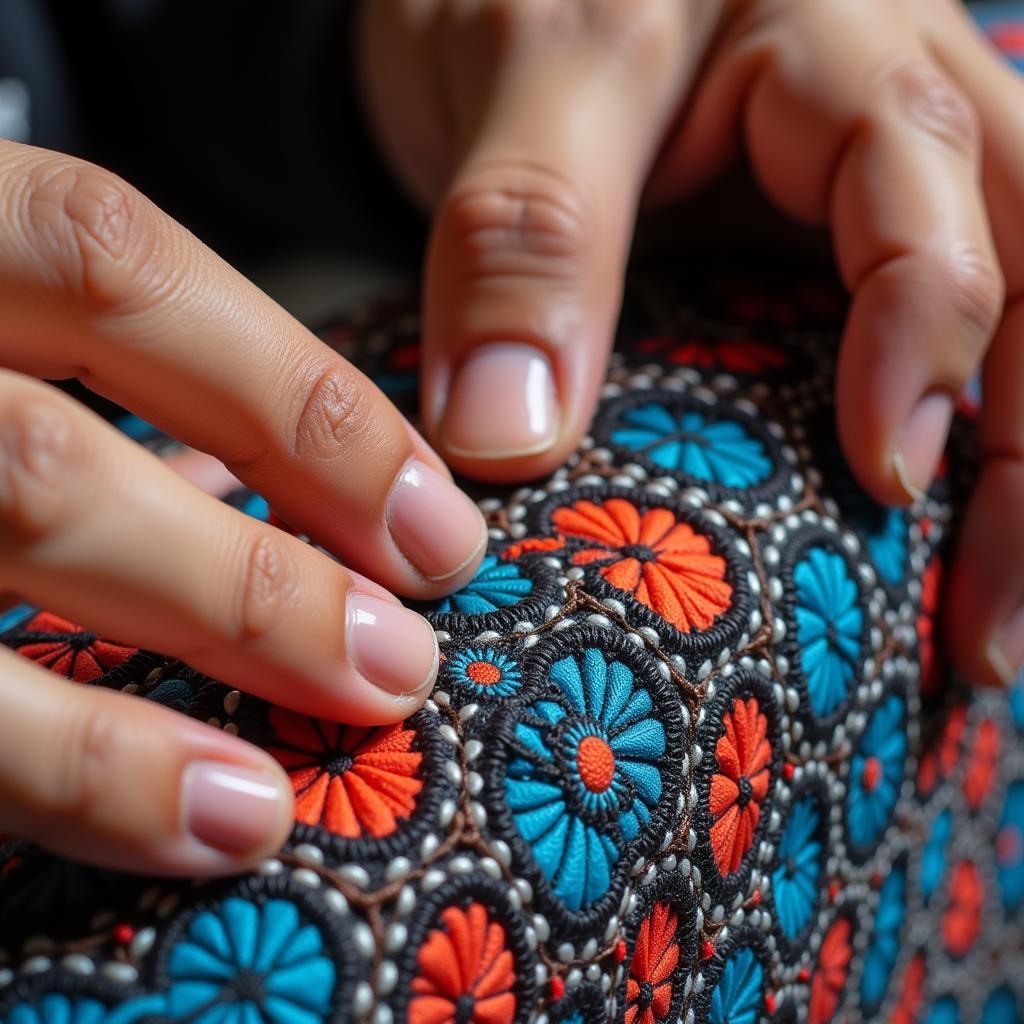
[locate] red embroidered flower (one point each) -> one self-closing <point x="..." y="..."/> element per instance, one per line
<point x="70" y="650"/>
<point x="661" y="561"/>
<point x="655" y="957"/>
<point x="830" y="977"/>
<point x="931" y="663"/>
<point x="466" y="975"/>
<point x="736" y="355"/>
<point x="905" y="1010"/>
<point x="962" y="921"/>
<point x="353" y="781"/>
<point x="740" y="785"/>
<point x="982" y="764"/>
<point x="936" y="766"/>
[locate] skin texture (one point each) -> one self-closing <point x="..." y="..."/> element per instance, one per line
<point x="534" y="130"/>
<point x="99" y="284"/>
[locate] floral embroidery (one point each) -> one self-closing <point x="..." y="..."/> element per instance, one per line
<point x="56" y="1008"/>
<point x="352" y="781"/>
<point x="982" y="764"/>
<point x="16" y="615"/>
<point x="1001" y="1007"/>
<point x="737" y="996"/>
<point x="795" y="880"/>
<point x="584" y="777"/>
<point x="658" y="559"/>
<point x="884" y="949"/>
<point x="876" y="772"/>
<point x="829" y="622"/>
<point x="485" y="672"/>
<point x="962" y="920"/>
<point x="466" y="973"/>
<point x="931" y="589"/>
<point x="733" y="355"/>
<point x="241" y="961"/>
<point x="830" y="977"/>
<point x="905" y="1011"/>
<point x="938" y="765"/>
<point x="934" y="855"/>
<point x="887" y="544"/>
<point x="721" y="451"/>
<point x="1010" y="847"/>
<point x="655" y="958"/>
<point x="740" y="785"/>
<point x="69" y="650"/>
<point x="495" y="585"/>
<point x="944" y="1011"/>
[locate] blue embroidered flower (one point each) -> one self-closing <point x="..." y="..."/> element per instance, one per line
<point x="485" y="672"/>
<point x="887" y="545"/>
<point x="945" y="1011"/>
<point x="585" y="776"/>
<point x="795" y="880"/>
<point x="737" y="996"/>
<point x="934" y="854"/>
<point x="1001" y="1007"/>
<point x="19" y="613"/>
<point x="55" y="1008"/>
<point x="829" y="621"/>
<point x="876" y="772"/>
<point x="1010" y="847"/>
<point x="883" y="951"/>
<point x="1017" y="703"/>
<point x="495" y="585"/>
<point x="244" y="962"/>
<point x="255" y="505"/>
<point x="720" y="450"/>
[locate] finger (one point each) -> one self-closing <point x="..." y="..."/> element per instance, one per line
<point x="885" y="146"/>
<point x="524" y="270"/>
<point x="98" y="283"/>
<point x="99" y="530"/>
<point x="124" y="783"/>
<point x="985" y="608"/>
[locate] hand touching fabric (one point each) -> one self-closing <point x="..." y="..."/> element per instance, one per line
<point x="97" y="283"/>
<point x="533" y="129"/>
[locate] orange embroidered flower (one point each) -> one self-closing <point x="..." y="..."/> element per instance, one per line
<point x="661" y="561"/>
<point x="830" y="978"/>
<point x="740" y="785"/>
<point x="962" y="921"/>
<point x="655" y="957"/>
<point x="466" y="975"/>
<point x="352" y="781"/>
<point x="70" y="650"/>
<point x="982" y="764"/>
<point x="935" y="766"/>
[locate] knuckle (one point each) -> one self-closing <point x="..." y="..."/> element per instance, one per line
<point x="39" y="450"/>
<point x="96" y="233"/>
<point x="267" y="587"/>
<point x="516" y="221"/>
<point x="336" y="414"/>
<point x="933" y="103"/>
<point x="86" y="761"/>
<point x="974" y="284"/>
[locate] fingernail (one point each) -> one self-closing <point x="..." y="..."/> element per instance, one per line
<point x="922" y="442"/>
<point x="1006" y="652"/>
<point x="229" y="807"/>
<point x="435" y="526"/>
<point x="502" y="403"/>
<point x="392" y="647"/>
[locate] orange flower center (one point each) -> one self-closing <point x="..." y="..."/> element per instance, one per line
<point x="596" y="763"/>
<point x="483" y="673"/>
<point x="872" y="774"/>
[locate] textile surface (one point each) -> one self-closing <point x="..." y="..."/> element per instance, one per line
<point x="694" y="752"/>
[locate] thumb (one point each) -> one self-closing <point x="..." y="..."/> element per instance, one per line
<point x="525" y="264"/>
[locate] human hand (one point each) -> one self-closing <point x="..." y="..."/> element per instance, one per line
<point x="533" y="129"/>
<point x="97" y="283"/>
